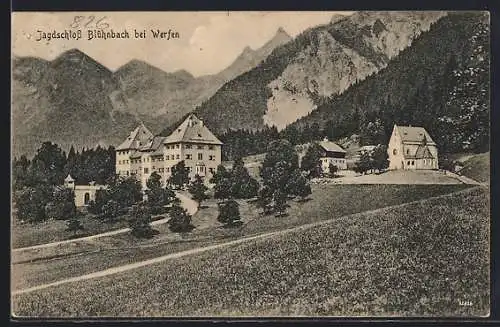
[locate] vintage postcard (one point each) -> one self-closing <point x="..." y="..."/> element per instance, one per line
<point x="250" y="164"/>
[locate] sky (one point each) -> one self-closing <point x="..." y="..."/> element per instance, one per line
<point x="208" y="41"/>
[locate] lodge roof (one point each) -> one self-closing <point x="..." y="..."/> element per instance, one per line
<point x="331" y="147"/>
<point x="412" y="134"/>
<point x="192" y="130"/>
<point x="137" y="138"/>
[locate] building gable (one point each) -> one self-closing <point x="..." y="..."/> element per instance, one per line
<point x="192" y="130"/>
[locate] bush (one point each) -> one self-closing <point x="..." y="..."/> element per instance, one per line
<point x="110" y="211"/>
<point x="229" y="213"/>
<point x="140" y="222"/>
<point x="61" y="210"/>
<point x="332" y="169"/>
<point x="180" y="220"/>
<point x="74" y="225"/>
<point x="31" y="201"/>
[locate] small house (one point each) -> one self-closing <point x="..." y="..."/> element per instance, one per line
<point x="332" y="153"/>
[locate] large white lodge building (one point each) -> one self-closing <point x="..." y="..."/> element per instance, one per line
<point x="142" y="153"/>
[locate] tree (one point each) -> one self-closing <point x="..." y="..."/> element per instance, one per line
<point x="311" y="161"/>
<point x="279" y="151"/>
<point x="62" y="205"/>
<point x="220" y="174"/>
<point x="372" y="132"/>
<point x="140" y="221"/>
<point x="126" y="192"/>
<point x="279" y="165"/>
<point x="298" y="185"/>
<point x="49" y="161"/>
<point x="180" y="220"/>
<point x="243" y="186"/>
<point x="30" y="202"/>
<point x="101" y="198"/>
<point x="364" y="163"/>
<point x="110" y="211"/>
<point x="332" y="169"/>
<point x="265" y="199"/>
<point x="180" y="175"/>
<point x="279" y="203"/>
<point x="222" y="189"/>
<point x="158" y="197"/>
<point x="229" y="213"/>
<point x="74" y="225"/>
<point x="198" y="190"/>
<point x="380" y="158"/>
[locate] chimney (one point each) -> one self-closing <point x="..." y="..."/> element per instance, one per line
<point x="201" y="122"/>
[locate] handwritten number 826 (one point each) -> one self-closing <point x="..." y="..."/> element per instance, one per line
<point x="89" y="22"/>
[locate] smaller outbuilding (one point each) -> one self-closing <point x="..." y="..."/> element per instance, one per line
<point x="332" y="154"/>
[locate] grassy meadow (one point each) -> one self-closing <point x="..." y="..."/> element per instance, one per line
<point x="39" y="266"/>
<point x="419" y="259"/>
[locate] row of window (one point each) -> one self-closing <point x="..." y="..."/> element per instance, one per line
<point x="167" y="169"/>
<point x="189" y="146"/>
<point x="334" y="160"/>
<point x="426" y="162"/>
<point x="168" y="157"/>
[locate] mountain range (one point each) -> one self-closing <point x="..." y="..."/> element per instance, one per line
<point x="76" y="100"/>
<point x="319" y="63"/>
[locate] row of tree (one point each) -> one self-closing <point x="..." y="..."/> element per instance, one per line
<point x="50" y="165"/>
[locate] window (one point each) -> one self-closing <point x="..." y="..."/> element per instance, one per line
<point x="160" y="170"/>
<point x="167" y="157"/>
<point x="86" y="198"/>
<point x="395" y="152"/>
<point x="189" y="156"/>
<point x="127" y="172"/>
<point x="119" y="162"/>
<point x="413" y="163"/>
<point x="200" y="156"/>
<point x="211" y="170"/>
<point x="177" y="157"/>
<point x="167" y="169"/>
<point x="177" y="146"/>
<point x="188" y="146"/>
<point x="211" y="157"/>
<point x="408" y="163"/>
<point x="200" y="147"/>
<point x="211" y="147"/>
<point x="146" y="170"/>
<point x="407" y="151"/>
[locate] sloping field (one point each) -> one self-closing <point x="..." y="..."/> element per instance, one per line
<point x="477" y="167"/>
<point x="48" y="265"/>
<point x="419" y="259"/>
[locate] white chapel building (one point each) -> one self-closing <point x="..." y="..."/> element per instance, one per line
<point x="412" y="148"/>
<point x="142" y="153"/>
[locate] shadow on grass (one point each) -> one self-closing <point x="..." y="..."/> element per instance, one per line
<point x="234" y="224"/>
<point x="146" y="234"/>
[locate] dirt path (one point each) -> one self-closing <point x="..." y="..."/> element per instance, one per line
<point x="190" y="205"/>
<point x="140" y="264"/>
